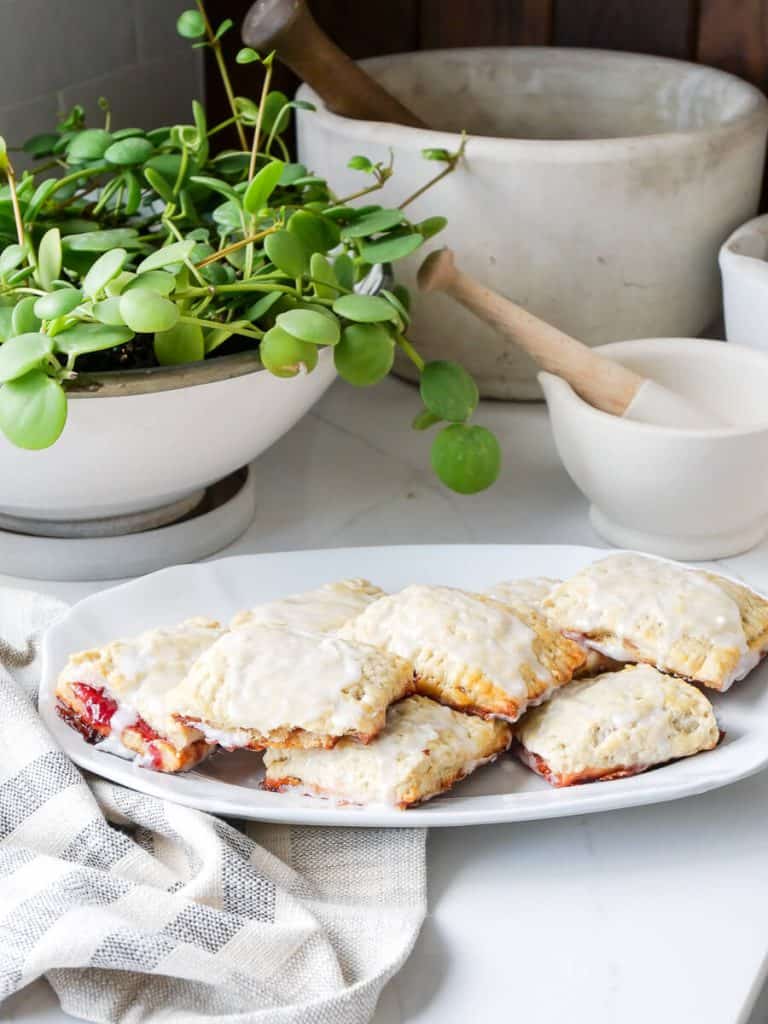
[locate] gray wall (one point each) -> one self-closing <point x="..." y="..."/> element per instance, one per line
<point x="55" y="53"/>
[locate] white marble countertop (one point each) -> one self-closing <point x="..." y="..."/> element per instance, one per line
<point x="655" y="914"/>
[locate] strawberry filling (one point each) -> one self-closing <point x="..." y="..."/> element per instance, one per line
<point x="98" y="709"/>
<point x="145" y="731"/>
<point x="98" y="712"/>
<point x="156" y="756"/>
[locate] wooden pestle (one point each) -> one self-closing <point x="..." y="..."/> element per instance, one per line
<point x="287" y="26"/>
<point x="606" y="385"/>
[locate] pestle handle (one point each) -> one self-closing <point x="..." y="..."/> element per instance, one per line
<point x="288" y="27"/>
<point x="601" y="382"/>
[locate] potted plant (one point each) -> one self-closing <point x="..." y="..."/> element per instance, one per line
<point x="156" y="292"/>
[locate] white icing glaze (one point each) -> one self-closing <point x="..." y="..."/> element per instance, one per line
<point x="138" y="674"/>
<point x="317" y="611"/>
<point x="463" y="629"/>
<point x="624" y="594"/>
<point x="373" y="773"/>
<point x="270" y="677"/>
<point x="531" y="591"/>
<point x="634" y="717"/>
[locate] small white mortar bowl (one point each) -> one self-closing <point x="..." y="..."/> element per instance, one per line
<point x="679" y="493"/>
<point x="744" y="268"/>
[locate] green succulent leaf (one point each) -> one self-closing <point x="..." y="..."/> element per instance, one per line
<point x="264" y="304"/>
<point x="387" y="250"/>
<point x="132" y="193"/>
<point x="431" y="226"/>
<point x="147" y="312"/>
<point x="315" y="232"/>
<point x="247" y="110"/>
<point x="424" y="420"/>
<point x="106" y="267"/>
<point x="57" y="303"/>
<point x="360" y="163"/>
<point x="10" y="258"/>
<point x="229" y="216"/>
<point x="285" y="356"/>
<point x="49" y="258"/>
<point x="365" y="354"/>
<point x="225" y="26"/>
<point x="158" y="182"/>
<point x="364" y="309"/>
<point x="344" y="269"/>
<point x="181" y="344"/>
<point x="405" y="316"/>
<point x="90" y="144"/>
<point x="33" y="410"/>
<point x="129" y="152"/>
<point x="217" y="336"/>
<point x="290" y="173"/>
<point x="82" y="338"/>
<point x="177" y="252"/>
<point x="286" y="252"/>
<point x="403" y="295"/>
<point x="102" y="241"/>
<point x="190" y="24"/>
<point x="277" y="112"/>
<point x="466" y="459"/>
<point x="437" y="153"/>
<point x="448" y="391"/>
<point x="118" y="284"/>
<point x="40" y="145"/>
<point x="246" y="55"/>
<point x="24" y="320"/>
<point x="6" y="317"/>
<point x="217" y="185"/>
<point x="23" y="353"/>
<point x="262" y="186"/>
<point x="127" y="133"/>
<point x="373" y="224"/>
<point x="108" y="312"/>
<point x="159" y="281"/>
<point x="39" y="199"/>
<point x="308" y="325"/>
<point x="323" y="277"/>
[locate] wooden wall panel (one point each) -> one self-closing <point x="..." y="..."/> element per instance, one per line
<point x="733" y="34"/>
<point x="446" y="23"/>
<point x="664" y="27"/>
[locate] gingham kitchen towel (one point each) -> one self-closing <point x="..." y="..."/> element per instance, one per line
<point x="138" y="910"/>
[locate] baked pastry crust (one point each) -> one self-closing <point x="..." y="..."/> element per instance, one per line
<point x="318" y="611"/>
<point x="269" y="686"/>
<point x="617" y="724"/>
<point x="116" y="695"/>
<point x="469" y="651"/>
<point x="690" y="623"/>
<point x="532" y="592"/>
<point x="424" y="749"/>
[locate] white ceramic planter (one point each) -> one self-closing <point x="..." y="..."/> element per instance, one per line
<point x="596" y="192"/>
<point x="744" y="267"/>
<point x="690" y="494"/>
<point x="151" y="437"/>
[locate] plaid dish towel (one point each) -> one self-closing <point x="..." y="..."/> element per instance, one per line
<point x="139" y="910"/>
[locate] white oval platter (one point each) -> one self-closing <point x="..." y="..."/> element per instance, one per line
<point x="228" y="784"/>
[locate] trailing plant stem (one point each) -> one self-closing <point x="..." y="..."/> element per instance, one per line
<point x="260" y="118"/>
<point x="215" y="45"/>
<point x="222" y="253"/>
<point x="11" y="175"/>
<point x="451" y="166"/>
<point x="411" y="352"/>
